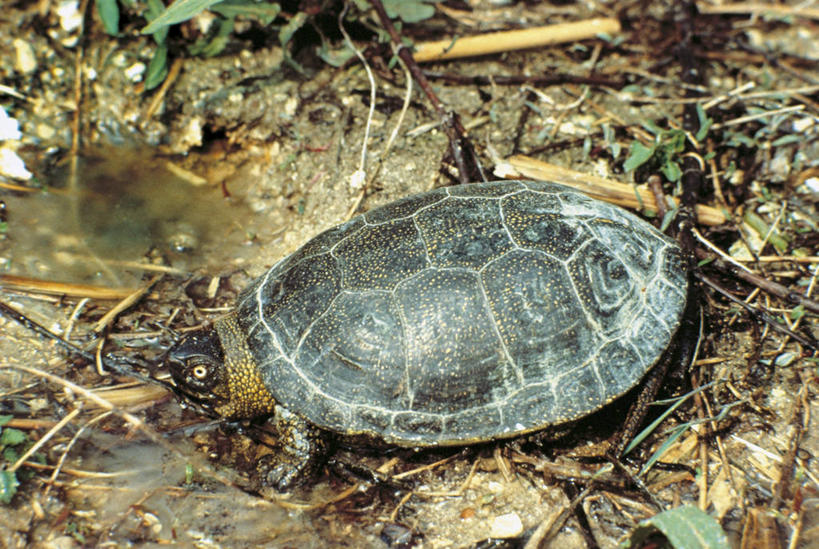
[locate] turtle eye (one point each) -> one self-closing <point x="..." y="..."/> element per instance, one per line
<point x="200" y="371"/>
<point x="201" y="374"/>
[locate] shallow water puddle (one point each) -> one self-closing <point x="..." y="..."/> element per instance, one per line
<point x="120" y="208"/>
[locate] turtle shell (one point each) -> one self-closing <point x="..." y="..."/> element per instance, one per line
<point x="467" y="313"/>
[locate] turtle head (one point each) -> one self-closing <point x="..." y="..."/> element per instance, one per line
<point x="214" y="369"/>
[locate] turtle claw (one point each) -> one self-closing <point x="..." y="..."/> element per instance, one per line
<point x="302" y="448"/>
<point x="280" y="476"/>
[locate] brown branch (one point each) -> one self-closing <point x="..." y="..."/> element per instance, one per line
<point x="762" y="283"/>
<point x="761" y="315"/>
<point x="469" y="168"/>
<point x="62" y="289"/>
<point x="692" y="176"/>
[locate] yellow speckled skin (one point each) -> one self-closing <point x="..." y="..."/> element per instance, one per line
<point x="248" y="395"/>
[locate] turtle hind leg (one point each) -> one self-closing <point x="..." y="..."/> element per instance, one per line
<point x="676" y="360"/>
<point x="301" y="448"/>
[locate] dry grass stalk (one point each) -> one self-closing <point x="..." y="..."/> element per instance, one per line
<point x="124" y="304"/>
<point x="34" y="285"/>
<point x="496" y="42"/>
<point x="598" y="187"/>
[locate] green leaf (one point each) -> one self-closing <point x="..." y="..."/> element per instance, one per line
<point x="295" y="23"/>
<point x="672" y="171"/>
<point x="214" y="43"/>
<point x="73" y="530"/>
<point x="8" y="486"/>
<point x="705" y="123"/>
<point x="218" y="43"/>
<point x="788" y="139"/>
<point x="763" y="230"/>
<point x="737" y="139"/>
<point x="179" y="11"/>
<point x="675" y="142"/>
<point x="641" y="436"/>
<point x="409" y="11"/>
<point x="10" y="454"/>
<point x="684" y="527"/>
<point x="676" y="403"/>
<point x="5" y="419"/>
<point x="286" y="34"/>
<point x="108" y="11"/>
<point x="12" y="437"/>
<point x="157" y="68"/>
<point x="639" y="155"/>
<point x="335" y="57"/>
<point x="264" y="12"/>
<point x="155" y="9"/>
<point x="651" y="127"/>
<point x="676" y="433"/>
<point x="668" y="218"/>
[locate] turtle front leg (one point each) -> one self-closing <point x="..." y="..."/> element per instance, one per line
<point x="302" y="448"/>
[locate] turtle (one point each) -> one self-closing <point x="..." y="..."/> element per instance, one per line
<point x="456" y="316"/>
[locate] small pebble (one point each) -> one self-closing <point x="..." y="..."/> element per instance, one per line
<point x="134" y="72"/>
<point x="506" y="526"/>
<point x="9" y="127"/>
<point x="12" y="165"/>
<point x="495" y="487"/>
<point x="290" y="106"/>
<point x="44" y="131"/>
<point x="25" y="61"/>
<point x="468" y="513"/>
<point x="60" y="542"/>
<point x="812" y="184"/>
<point x="397" y="536"/>
<point x="69" y="13"/>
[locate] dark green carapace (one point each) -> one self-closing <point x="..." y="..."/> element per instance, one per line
<point x="460" y="315"/>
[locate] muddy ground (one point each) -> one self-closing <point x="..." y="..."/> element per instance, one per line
<point x="244" y="158"/>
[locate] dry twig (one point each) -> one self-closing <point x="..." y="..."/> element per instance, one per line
<point x="497" y="42"/>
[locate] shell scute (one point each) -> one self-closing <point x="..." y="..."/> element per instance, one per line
<point x="451" y="365"/>
<point x="634" y="247"/>
<point x="404" y="207"/>
<point x="358" y="344"/>
<point x="496" y="189"/>
<point x="417" y="426"/>
<point x="606" y="289"/>
<point x="286" y="305"/>
<point x="579" y="389"/>
<point x="617" y="363"/>
<point x="378" y="257"/>
<point x="478" y="419"/>
<point x="464" y="232"/>
<point x="537" y="313"/>
<point x="535" y="221"/>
